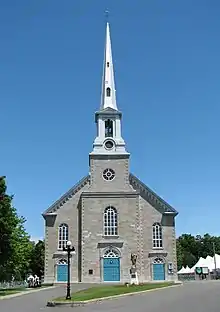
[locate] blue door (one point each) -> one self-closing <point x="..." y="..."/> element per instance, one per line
<point x="111" y="269"/>
<point x="158" y="272"/>
<point x="61" y="273"/>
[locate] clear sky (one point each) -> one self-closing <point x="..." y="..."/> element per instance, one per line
<point x="166" y="58"/>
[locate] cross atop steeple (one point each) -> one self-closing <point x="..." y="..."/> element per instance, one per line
<point x="108" y="99"/>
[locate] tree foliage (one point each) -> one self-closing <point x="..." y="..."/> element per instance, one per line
<point x="15" y="245"/>
<point x="191" y="248"/>
<point x="19" y="263"/>
<point x="37" y="259"/>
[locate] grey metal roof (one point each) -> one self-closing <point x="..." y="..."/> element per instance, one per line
<point x="69" y="194"/>
<point x="155" y="200"/>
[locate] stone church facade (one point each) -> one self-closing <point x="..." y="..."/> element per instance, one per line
<point x="110" y="213"/>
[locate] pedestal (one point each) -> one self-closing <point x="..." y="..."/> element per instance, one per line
<point x="133" y="276"/>
<point x="134" y="279"/>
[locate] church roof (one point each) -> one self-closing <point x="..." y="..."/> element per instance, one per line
<point x="144" y="190"/>
<point x="67" y="196"/>
<point x="150" y="196"/>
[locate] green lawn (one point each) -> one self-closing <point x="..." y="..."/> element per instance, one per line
<point x="6" y="292"/>
<point x="112" y="290"/>
<point x="10" y="291"/>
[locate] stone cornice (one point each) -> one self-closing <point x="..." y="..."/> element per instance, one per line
<point x="51" y="215"/>
<point x="109" y="194"/>
<point x="107" y="113"/>
<point x="109" y="156"/>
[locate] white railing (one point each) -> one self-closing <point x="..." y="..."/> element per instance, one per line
<point x="14" y="284"/>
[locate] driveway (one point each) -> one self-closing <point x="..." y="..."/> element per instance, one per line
<point x="192" y="296"/>
<point x="36" y="302"/>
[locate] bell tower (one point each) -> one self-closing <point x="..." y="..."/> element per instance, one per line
<point x="109" y="160"/>
<point x="109" y="140"/>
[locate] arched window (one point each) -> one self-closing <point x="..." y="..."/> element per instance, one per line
<point x="111" y="253"/>
<point x="63" y="235"/>
<point x="158" y="261"/>
<point x="108" y="128"/>
<point x="62" y="261"/>
<point x="110" y="221"/>
<point x="157" y="236"/>
<point x="108" y="92"/>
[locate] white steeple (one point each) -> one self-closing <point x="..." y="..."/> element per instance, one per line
<point x="108" y="119"/>
<point x="108" y="98"/>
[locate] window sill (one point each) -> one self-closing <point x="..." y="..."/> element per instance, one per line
<point x="110" y="236"/>
<point x="157" y="248"/>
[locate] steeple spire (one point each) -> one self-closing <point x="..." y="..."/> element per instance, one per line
<point x="108" y="99"/>
<point x="109" y="139"/>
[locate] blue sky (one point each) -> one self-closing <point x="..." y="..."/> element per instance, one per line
<point x="166" y="58"/>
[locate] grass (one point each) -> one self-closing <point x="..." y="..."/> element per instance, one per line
<point x="112" y="290"/>
<point x="6" y="292"/>
<point x="11" y="291"/>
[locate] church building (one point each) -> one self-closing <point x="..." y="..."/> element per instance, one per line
<point x="110" y="213"/>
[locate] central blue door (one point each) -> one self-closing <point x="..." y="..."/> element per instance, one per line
<point x="111" y="269"/>
<point x="158" y="272"/>
<point x="62" y="273"/>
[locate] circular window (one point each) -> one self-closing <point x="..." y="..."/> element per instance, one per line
<point x="109" y="144"/>
<point x="108" y="174"/>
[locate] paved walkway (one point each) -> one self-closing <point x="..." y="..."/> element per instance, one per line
<point x="192" y="297"/>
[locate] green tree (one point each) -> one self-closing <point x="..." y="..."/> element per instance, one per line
<point x="15" y="246"/>
<point x="19" y="263"/>
<point x="187" y="250"/>
<point x="8" y="222"/>
<point x="37" y="259"/>
<point x="190" y="248"/>
<point x="179" y="254"/>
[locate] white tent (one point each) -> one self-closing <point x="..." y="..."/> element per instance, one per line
<point x="187" y="270"/>
<point x="182" y="271"/>
<point x="208" y="262"/>
<point x="201" y="263"/>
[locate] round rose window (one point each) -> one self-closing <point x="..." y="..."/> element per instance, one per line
<point x="108" y="174"/>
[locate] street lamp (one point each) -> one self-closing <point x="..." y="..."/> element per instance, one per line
<point x="213" y="246"/>
<point x="69" y="249"/>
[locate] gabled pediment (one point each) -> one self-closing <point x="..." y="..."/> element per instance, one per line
<point x="67" y="196"/>
<point x="151" y="197"/>
<point x="109" y="110"/>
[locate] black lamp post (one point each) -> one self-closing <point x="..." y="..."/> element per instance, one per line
<point x="69" y="249"/>
<point x="213" y="247"/>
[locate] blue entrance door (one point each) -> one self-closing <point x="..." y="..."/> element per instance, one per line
<point x="158" y="272"/>
<point x="61" y="273"/>
<point x="111" y="269"/>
